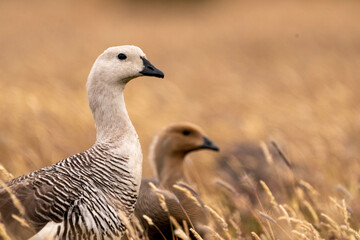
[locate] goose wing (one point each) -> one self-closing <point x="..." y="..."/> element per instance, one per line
<point x="37" y="198"/>
<point x="65" y="198"/>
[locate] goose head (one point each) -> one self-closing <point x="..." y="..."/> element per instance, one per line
<point x="183" y="138"/>
<point x="118" y="65"/>
<point x="115" y="67"/>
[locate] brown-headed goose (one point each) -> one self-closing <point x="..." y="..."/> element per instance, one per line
<point x="80" y="196"/>
<point x="167" y="156"/>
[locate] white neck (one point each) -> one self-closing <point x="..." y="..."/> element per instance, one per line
<point x="112" y="121"/>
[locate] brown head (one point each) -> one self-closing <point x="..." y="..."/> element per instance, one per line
<point x="171" y="146"/>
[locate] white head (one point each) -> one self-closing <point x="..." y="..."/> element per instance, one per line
<point x="115" y="67"/>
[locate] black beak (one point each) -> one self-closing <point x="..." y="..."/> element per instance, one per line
<point x="208" y="144"/>
<point x="150" y="70"/>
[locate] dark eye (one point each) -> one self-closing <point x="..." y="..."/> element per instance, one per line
<point x="186" y="133"/>
<point x="122" y="56"/>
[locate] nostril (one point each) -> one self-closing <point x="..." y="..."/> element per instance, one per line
<point x="151" y="68"/>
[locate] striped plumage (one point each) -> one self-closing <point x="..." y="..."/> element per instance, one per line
<point x="57" y="192"/>
<point x="80" y="196"/>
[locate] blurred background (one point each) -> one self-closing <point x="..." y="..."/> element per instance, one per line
<point x="247" y="72"/>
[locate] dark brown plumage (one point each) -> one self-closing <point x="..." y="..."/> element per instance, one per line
<point x="167" y="156"/>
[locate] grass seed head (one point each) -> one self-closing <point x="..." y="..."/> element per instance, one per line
<point x="148" y="220"/>
<point x="187" y="194"/>
<point x="196" y="235"/>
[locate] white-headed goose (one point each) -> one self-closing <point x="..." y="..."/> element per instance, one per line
<point x="167" y="156"/>
<point x="80" y="196"/>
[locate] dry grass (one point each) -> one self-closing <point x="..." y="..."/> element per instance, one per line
<point x="249" y="71"/>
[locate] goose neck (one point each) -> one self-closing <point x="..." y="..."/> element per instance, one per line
<point x="112" y="121"/>
<point x="171" y="170"/>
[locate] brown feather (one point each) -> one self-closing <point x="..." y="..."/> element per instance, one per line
<point x="167" y="156"/>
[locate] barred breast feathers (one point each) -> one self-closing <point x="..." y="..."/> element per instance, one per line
<point x="80" y="196"/>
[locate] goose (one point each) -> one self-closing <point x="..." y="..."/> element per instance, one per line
<point x="254" y="163"/>
<point x="167" y="157"/>
<point x="80" y="196"/>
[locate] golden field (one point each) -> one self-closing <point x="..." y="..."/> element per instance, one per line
<point x="245" y="71"/>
